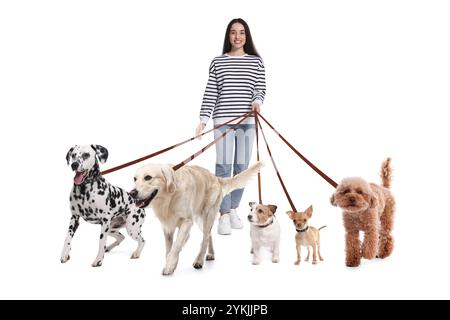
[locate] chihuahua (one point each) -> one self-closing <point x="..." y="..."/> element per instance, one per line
<point x="306" y="235"/>
<point x="264" y="231"/>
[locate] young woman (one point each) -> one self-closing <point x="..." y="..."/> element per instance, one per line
<point x="236" y="85"/>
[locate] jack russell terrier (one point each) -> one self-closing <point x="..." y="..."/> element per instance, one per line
<point x="264" y="231"/>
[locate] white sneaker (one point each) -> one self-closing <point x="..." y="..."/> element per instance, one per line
<point x="236" y="222"/>
<point x="224" y="226"/>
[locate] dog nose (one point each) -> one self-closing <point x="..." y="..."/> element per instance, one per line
<point x="75" y="165"/>
<point x="134" y="193"/>
<point x="249" y="217"/>
<point x="352" y="200"/>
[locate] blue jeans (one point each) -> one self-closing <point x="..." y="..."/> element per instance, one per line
<point x="233" y="153"/>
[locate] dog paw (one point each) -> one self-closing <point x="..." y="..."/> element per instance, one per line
<point x="171" y="264"/>
<point x="297" y="262"/>
<point x="275" y="260"/>
<point x="314" y="262"/>
<point x="197" y="265"/>
<point x="65" y="259"/>
<point x="256" y="261"/>
<point x="368" y="252"/>
<point x="384" y="254"/>
<point x="210" y="257"/>
<point x="368" y="255"/>
<point x="352" y="264"/>
<point x="168" y="271"/>
<point x="135" y="255"/>
<point x="97" y="263"/>
<point x="307" y="260"/>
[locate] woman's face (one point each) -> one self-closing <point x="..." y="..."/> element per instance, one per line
<point x="237" y="36"/>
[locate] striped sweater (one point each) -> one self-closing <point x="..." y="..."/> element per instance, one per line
<point x="234" y="83"/>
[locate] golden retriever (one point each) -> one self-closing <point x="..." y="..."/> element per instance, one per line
<point x="181" y="197"/>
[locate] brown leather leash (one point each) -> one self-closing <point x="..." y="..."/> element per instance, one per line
<point x="257" y="156"/>
<point x="193" y="156"/>
<point x="323" y="175"/>
<point x="257" y="127"/>
<point x="276" y="169"/>
<point x="154" y="154"/>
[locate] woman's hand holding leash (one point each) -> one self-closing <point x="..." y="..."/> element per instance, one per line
<point x="255" y="107"/>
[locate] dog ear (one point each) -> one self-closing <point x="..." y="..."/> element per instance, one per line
<point x="309" y="211"/>
<point x="101" y="152"/>
<point x="272" y="208"/>
<point x="333" y="200"/>
<point x="69" y="154"/>
<point x="291" y="214"/>
<point x="169" y="177"/>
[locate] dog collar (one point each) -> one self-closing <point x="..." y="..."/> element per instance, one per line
<point x="303" y="230"/>
<point x="266" y="225"/>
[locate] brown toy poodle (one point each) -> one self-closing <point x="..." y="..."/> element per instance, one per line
<point x="368" y="208"/>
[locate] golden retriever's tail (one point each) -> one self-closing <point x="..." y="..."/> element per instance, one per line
<point x="240" y="180"/>
<point x="386" y="173"/>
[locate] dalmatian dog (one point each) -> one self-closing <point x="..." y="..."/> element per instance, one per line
<point x="99" y="202"/>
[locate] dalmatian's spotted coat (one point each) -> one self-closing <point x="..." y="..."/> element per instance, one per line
<point x="99" y="202"/>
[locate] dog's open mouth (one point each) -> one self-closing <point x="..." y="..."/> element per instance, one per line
<point x="80" y="176"/>
<point x="142" y="203"/>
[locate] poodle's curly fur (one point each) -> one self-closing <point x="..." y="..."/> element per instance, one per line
<point x="368" y="208"/>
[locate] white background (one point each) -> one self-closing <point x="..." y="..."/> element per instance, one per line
<point x="348" y="83"/>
